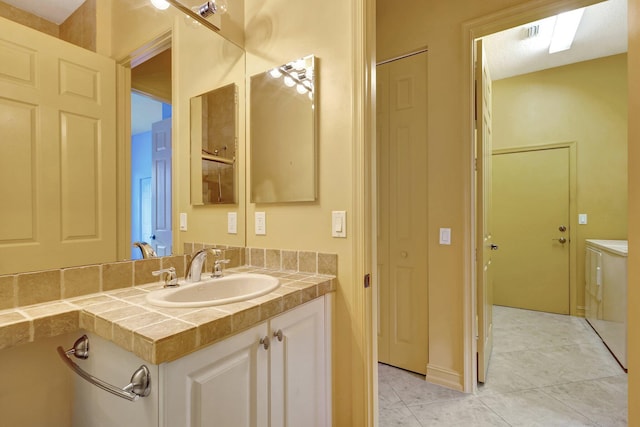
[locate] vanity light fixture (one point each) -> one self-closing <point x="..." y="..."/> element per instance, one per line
<point x="297" y="74"/>
<point x="198" y="13"/>
<point x="565" y="30"/>
<point x="211" y="7"/>
<point x="160" y="4"/>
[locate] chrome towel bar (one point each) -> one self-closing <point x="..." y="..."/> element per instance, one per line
<point x="139" y="386"/>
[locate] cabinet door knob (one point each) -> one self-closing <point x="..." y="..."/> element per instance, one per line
<point x="265" y="342"/>
<point x="278" y="334"/>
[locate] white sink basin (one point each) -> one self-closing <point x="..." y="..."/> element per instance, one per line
<point x="215" y="291"/>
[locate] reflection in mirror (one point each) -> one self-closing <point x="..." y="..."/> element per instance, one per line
<point x="62" y="204"/>
<point x="214" y="137"/>
<point x="283" y="146"/>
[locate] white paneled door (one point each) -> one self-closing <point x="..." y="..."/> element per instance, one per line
<point x="161" y="239"/>
<point x="402" y="213"/>
<point x="485" y="245"/>
<point x="57" y="152"/>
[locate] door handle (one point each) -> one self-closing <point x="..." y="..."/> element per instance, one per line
<point x="561" y="240"/>
<point x="494" y="247"/>
<point x="562" y="228"/>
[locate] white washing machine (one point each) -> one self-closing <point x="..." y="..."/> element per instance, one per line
<point x="606" y="293"/>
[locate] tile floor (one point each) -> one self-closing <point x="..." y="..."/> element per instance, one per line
<point x="545" y="370"/>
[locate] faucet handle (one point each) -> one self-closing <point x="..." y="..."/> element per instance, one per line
<point x="168" y="275"/>
<point x="217" y="268"/>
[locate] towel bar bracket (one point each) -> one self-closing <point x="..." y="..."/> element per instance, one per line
<point x="139" y="385"/>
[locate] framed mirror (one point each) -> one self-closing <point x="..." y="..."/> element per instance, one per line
<point x="283" y="133"/>
<point x="214" y="139"/>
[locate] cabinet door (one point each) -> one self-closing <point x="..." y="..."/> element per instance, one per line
<point x="224" y="385"/>
<point x="298" y="374"/>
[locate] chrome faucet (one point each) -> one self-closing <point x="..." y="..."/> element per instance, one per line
<point x="194" y="267"/>
<point x="146" y="249"/>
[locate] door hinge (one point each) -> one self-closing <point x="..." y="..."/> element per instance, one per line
<point x="367" y="280"/>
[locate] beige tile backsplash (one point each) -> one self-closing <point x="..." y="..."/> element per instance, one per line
<point x="23" y="289"/>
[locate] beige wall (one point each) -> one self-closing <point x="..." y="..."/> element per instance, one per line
<point x="80" y="26"/>
<point x="36" y="387"/>
<point x="633" y="277"/>
<point x="585" y="103"/>
<point x="277" y="32"/>
<point x="28" y="19"/>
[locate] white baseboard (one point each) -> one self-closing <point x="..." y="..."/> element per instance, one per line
<point x="444" y="377"/>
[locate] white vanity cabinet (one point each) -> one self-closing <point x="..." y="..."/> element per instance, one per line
<point x="274" y="374"/>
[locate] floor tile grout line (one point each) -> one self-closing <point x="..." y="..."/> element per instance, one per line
<point x="588" y="418"/>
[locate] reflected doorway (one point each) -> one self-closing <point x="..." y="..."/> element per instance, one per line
<point x="151" y="154"/>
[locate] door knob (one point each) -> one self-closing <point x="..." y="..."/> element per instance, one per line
<point x="494" y="247"/>
<point x="152" y="237"/>
<point x="562" y="228"/>
<point x="561" y="240"/>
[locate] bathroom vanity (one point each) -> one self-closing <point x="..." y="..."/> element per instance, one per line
<point x="276" y="373"/>
<point x="606" y="293"/>
<point x="265" y="361"/>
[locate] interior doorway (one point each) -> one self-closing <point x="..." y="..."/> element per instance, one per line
<point x="520" y="109"/>
<point x="151" y="154"/>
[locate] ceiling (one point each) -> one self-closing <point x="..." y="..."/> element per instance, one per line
<point x="56" y="11"/>
<point x="602" y="32"/>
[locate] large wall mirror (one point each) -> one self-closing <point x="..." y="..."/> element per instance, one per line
<point x="283" y="133"/>
<point x="83" y="186"/>
<point x="214" y="138"/>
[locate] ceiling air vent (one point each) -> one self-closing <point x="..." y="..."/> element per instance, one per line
<point x="532" y="31"/>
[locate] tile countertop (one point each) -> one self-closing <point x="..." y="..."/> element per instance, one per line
<point x="158" y="334"/>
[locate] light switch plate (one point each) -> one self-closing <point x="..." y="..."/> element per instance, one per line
<point x="582" y="219"/>
<point x="261" y="224"/>
<point x="183" y="221"/>
<point x="232" y="222"/>
<point x="339" y="224"/>
<point x="445" y="236"/>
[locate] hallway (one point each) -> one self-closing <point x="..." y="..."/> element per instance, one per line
<point x="545" y="370"/>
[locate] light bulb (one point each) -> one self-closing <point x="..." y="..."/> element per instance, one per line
<point x="191" y="22"/>
<point x="160" y="4"/>
<point x="275" y="73"/>
<point x="301" y="89"/>
<point x="289" y="81"/>
<point x="221" y="6"/>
